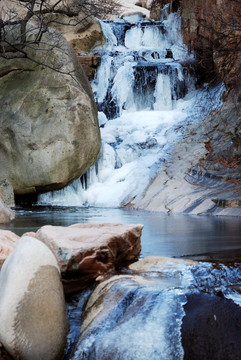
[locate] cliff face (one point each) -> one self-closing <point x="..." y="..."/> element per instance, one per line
<point x="203" y="173"/>
<point x="212" y="28"/>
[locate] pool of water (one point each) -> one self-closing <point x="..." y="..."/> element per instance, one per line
<point x="200" y="237"/>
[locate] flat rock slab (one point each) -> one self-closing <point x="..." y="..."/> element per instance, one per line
<point x="8" y="242"/>
<point x="86" y="251"/>
<point x="160" y="264"/>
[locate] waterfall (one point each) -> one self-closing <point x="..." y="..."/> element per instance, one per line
<point x="145" y="97"/>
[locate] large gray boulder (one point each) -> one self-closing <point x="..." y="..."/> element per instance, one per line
<point x="32" y="306"/>
<point x="49" y="132"/>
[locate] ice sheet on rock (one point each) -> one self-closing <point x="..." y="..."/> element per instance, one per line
<point x="144" y="324"/>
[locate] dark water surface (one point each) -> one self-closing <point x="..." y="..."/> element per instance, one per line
<point x="200" y="237"/>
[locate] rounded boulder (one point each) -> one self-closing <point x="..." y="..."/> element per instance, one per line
<point x="49" y="133"/>
<point x="32" y="307"/>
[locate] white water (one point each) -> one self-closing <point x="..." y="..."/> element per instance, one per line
<point x="145" y="101"/>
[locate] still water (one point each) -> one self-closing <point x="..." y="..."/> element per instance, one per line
<point x="201" y="237"/>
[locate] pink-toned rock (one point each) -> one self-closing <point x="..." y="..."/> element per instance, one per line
<point x="8" y="241"/>
<point x="86" y="251"/>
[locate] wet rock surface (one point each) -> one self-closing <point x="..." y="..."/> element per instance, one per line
<point x="179" y="311"/>
<point x="211" y="328"/>
<point x="86" y="251"/>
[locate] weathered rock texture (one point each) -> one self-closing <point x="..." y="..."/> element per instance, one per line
<point x="203" y="171"/>
<point x="8" y="242"/>
<point x="32" y="306"/>
<point x="82" y="32"/>
<point x="49" y="132"/>
<point x="6" y="192"/>
<point x="86" y="251"/>
<point x="6" y="214"/>
<point x="89" y="63"/>
<point x="212" y="29"/>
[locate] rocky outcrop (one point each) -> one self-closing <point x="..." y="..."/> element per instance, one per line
<point x="8" y="242"/>
<point x="203" y="169"/>
<point x="32" y="305"/>
<point x="83" y="32"/>
<point x="212" y="30"/>
<point x="86" y="251"/>
<point x="49" y="130"/>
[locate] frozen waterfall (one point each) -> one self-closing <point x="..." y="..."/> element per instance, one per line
<point x="145" y="97"/>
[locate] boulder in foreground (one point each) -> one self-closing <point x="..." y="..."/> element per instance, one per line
<point x="32" y="306"/>
<point x="86" y="251"/>
<point x="49" y="130"/>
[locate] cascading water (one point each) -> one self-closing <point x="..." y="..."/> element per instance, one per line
<point x="146" y="97"/>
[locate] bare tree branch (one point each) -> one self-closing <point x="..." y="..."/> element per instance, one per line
<point x="16" y="36"/>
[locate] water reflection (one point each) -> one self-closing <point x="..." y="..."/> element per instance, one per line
<point x="163" y="235"/>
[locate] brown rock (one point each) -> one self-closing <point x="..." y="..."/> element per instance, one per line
<point x="85" y="34"/>
<point x="86" y="251"/>
<point x="89" y="63"/>
<point x="212" y="29"/>
<point x="8" y="241"/>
